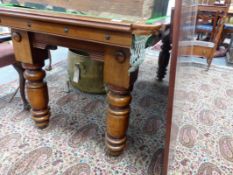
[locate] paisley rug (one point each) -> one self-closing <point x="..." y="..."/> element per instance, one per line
<point x="74" y="141"/>
<point x="202" y="132"/>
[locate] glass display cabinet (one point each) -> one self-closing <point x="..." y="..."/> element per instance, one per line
<point x="199" y="139"/>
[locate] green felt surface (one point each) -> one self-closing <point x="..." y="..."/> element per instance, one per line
<point x="47" y="9"/>
<point x="157" y="19"/>
<point x="149" y="21"/>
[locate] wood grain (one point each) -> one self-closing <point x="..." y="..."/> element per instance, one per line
<point x="116" y="73"/>
<point x="37" y="92"/>
<point x="117" y="119"/>
<point x="22" y="48"/>
<point x="70" y="31"/>
<point x="176" y="22"/>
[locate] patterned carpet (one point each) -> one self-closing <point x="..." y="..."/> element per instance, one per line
<point x="74" y="141"/>
<point x="202" y="139"/>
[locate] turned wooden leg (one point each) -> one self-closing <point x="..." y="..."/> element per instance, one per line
<point x="120" y="81"/>
<point x="164" y="56"/>
<point x="117" y="119"/>
<point x="37" y="93"/>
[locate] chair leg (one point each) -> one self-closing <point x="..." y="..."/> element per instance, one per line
<point x="209" y="61"/>
<point x="49" y="67"/>
<point x="18" y="67"/>
<point x="16" y="91"/>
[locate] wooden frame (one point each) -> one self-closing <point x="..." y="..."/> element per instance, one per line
<point x="172" y="80"/>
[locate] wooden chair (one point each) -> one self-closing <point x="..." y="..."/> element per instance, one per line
<point x="206" y="24"/>
<point x="198" y="21"/>
<point x="207" y="17"/>
<point x="7" y="58"/>
<point x="203" y="49"/>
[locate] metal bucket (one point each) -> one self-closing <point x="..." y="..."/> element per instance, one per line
<point x="85" y="74"/>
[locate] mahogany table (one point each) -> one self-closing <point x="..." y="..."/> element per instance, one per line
<point x="35" y="31"/>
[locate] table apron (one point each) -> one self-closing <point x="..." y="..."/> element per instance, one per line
<point x="104" y="36"/>
<point x="44" y="41"/>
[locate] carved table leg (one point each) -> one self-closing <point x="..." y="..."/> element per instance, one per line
<point x="120" y="81"/>
<point x="164" y="55"/>
<point x="37" y="93"/>
<point x="117" y="119"/>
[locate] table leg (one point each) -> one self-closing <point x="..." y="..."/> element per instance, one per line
<point x="120" y="81"/>
<point x="37" y="92"/>
<point x="164" y="56"/>
<point x="117" y="119"/>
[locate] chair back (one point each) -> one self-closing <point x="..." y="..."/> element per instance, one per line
<point x="219" y="30"/>
<point x="214" y="2"/>
<point x="207" y="2"/>
<point x="205" y="49"/>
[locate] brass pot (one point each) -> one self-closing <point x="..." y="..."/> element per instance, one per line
<point x="85" y="74"/>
